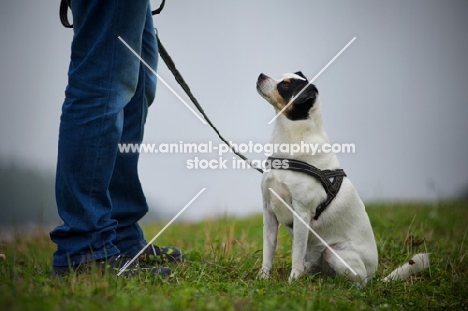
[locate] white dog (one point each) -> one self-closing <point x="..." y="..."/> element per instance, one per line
<point x="344" y="226"/>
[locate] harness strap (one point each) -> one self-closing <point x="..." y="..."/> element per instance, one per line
<point x="324" y="176"/>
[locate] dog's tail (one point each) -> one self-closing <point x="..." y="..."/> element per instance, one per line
<point x="418" y="263"/>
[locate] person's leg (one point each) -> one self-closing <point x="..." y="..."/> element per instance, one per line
<point x="128" y="201"/>
<point x="103" y="78"/>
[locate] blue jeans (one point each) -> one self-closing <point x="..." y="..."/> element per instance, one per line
<point x="98" y="193"/>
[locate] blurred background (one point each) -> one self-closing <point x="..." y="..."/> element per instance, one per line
<point x="398" y="93"/>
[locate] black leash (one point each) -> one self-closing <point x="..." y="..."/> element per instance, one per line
<point x="172" y="67"/>
<point x="331" y="187"/>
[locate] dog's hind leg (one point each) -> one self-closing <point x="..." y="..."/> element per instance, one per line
<point x="351" y="258"/>
<point x="270" y="233"/>
<point x="319" y="266"/>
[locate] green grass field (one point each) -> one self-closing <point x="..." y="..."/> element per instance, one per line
<point x="223" y="257"/>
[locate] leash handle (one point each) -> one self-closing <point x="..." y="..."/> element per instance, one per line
<point x="158" y="10"/>
<point x="65" y="4"/>
<point x="63" y="13"/>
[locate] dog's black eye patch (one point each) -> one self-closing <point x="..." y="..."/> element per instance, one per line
<point x="284" y="85"/>
<point x="286" y="88"/>
<point x="303" y="102"/>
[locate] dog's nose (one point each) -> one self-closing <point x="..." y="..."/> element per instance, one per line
<point x="262" y="77"/>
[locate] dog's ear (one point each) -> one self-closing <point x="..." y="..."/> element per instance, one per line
<point x="307" y="96"/>
<point x="300" y="74"/>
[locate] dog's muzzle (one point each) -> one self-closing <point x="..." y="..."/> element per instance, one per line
<point x="265" y="85"/>
<point x="260" y="80"/>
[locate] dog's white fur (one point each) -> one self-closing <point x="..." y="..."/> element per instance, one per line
<point x="344" y="225"/>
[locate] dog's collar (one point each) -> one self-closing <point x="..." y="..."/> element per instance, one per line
<point x="324" y="176"/>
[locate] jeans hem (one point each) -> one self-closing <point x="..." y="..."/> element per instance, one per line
<point x="84" y="258"/>
<point x="134" y="249"/>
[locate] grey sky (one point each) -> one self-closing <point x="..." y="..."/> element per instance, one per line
<point x="398" y="93"/>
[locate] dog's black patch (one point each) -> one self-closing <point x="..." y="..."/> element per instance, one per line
<point x="289" y="88"/>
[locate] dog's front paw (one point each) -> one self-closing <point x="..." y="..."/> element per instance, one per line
<point x="294" y="275"/>
<point x="264" y="274"/>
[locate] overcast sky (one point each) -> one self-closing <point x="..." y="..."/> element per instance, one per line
<point x="398" y="92"/>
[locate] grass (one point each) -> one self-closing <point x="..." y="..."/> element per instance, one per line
<point x="223" y="257"/>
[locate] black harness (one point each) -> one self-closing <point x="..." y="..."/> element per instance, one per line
<point x="324" y="176"/>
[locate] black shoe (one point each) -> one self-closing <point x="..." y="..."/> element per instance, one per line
<point x="112" y="265"/>
<point x="159" y="255"/>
